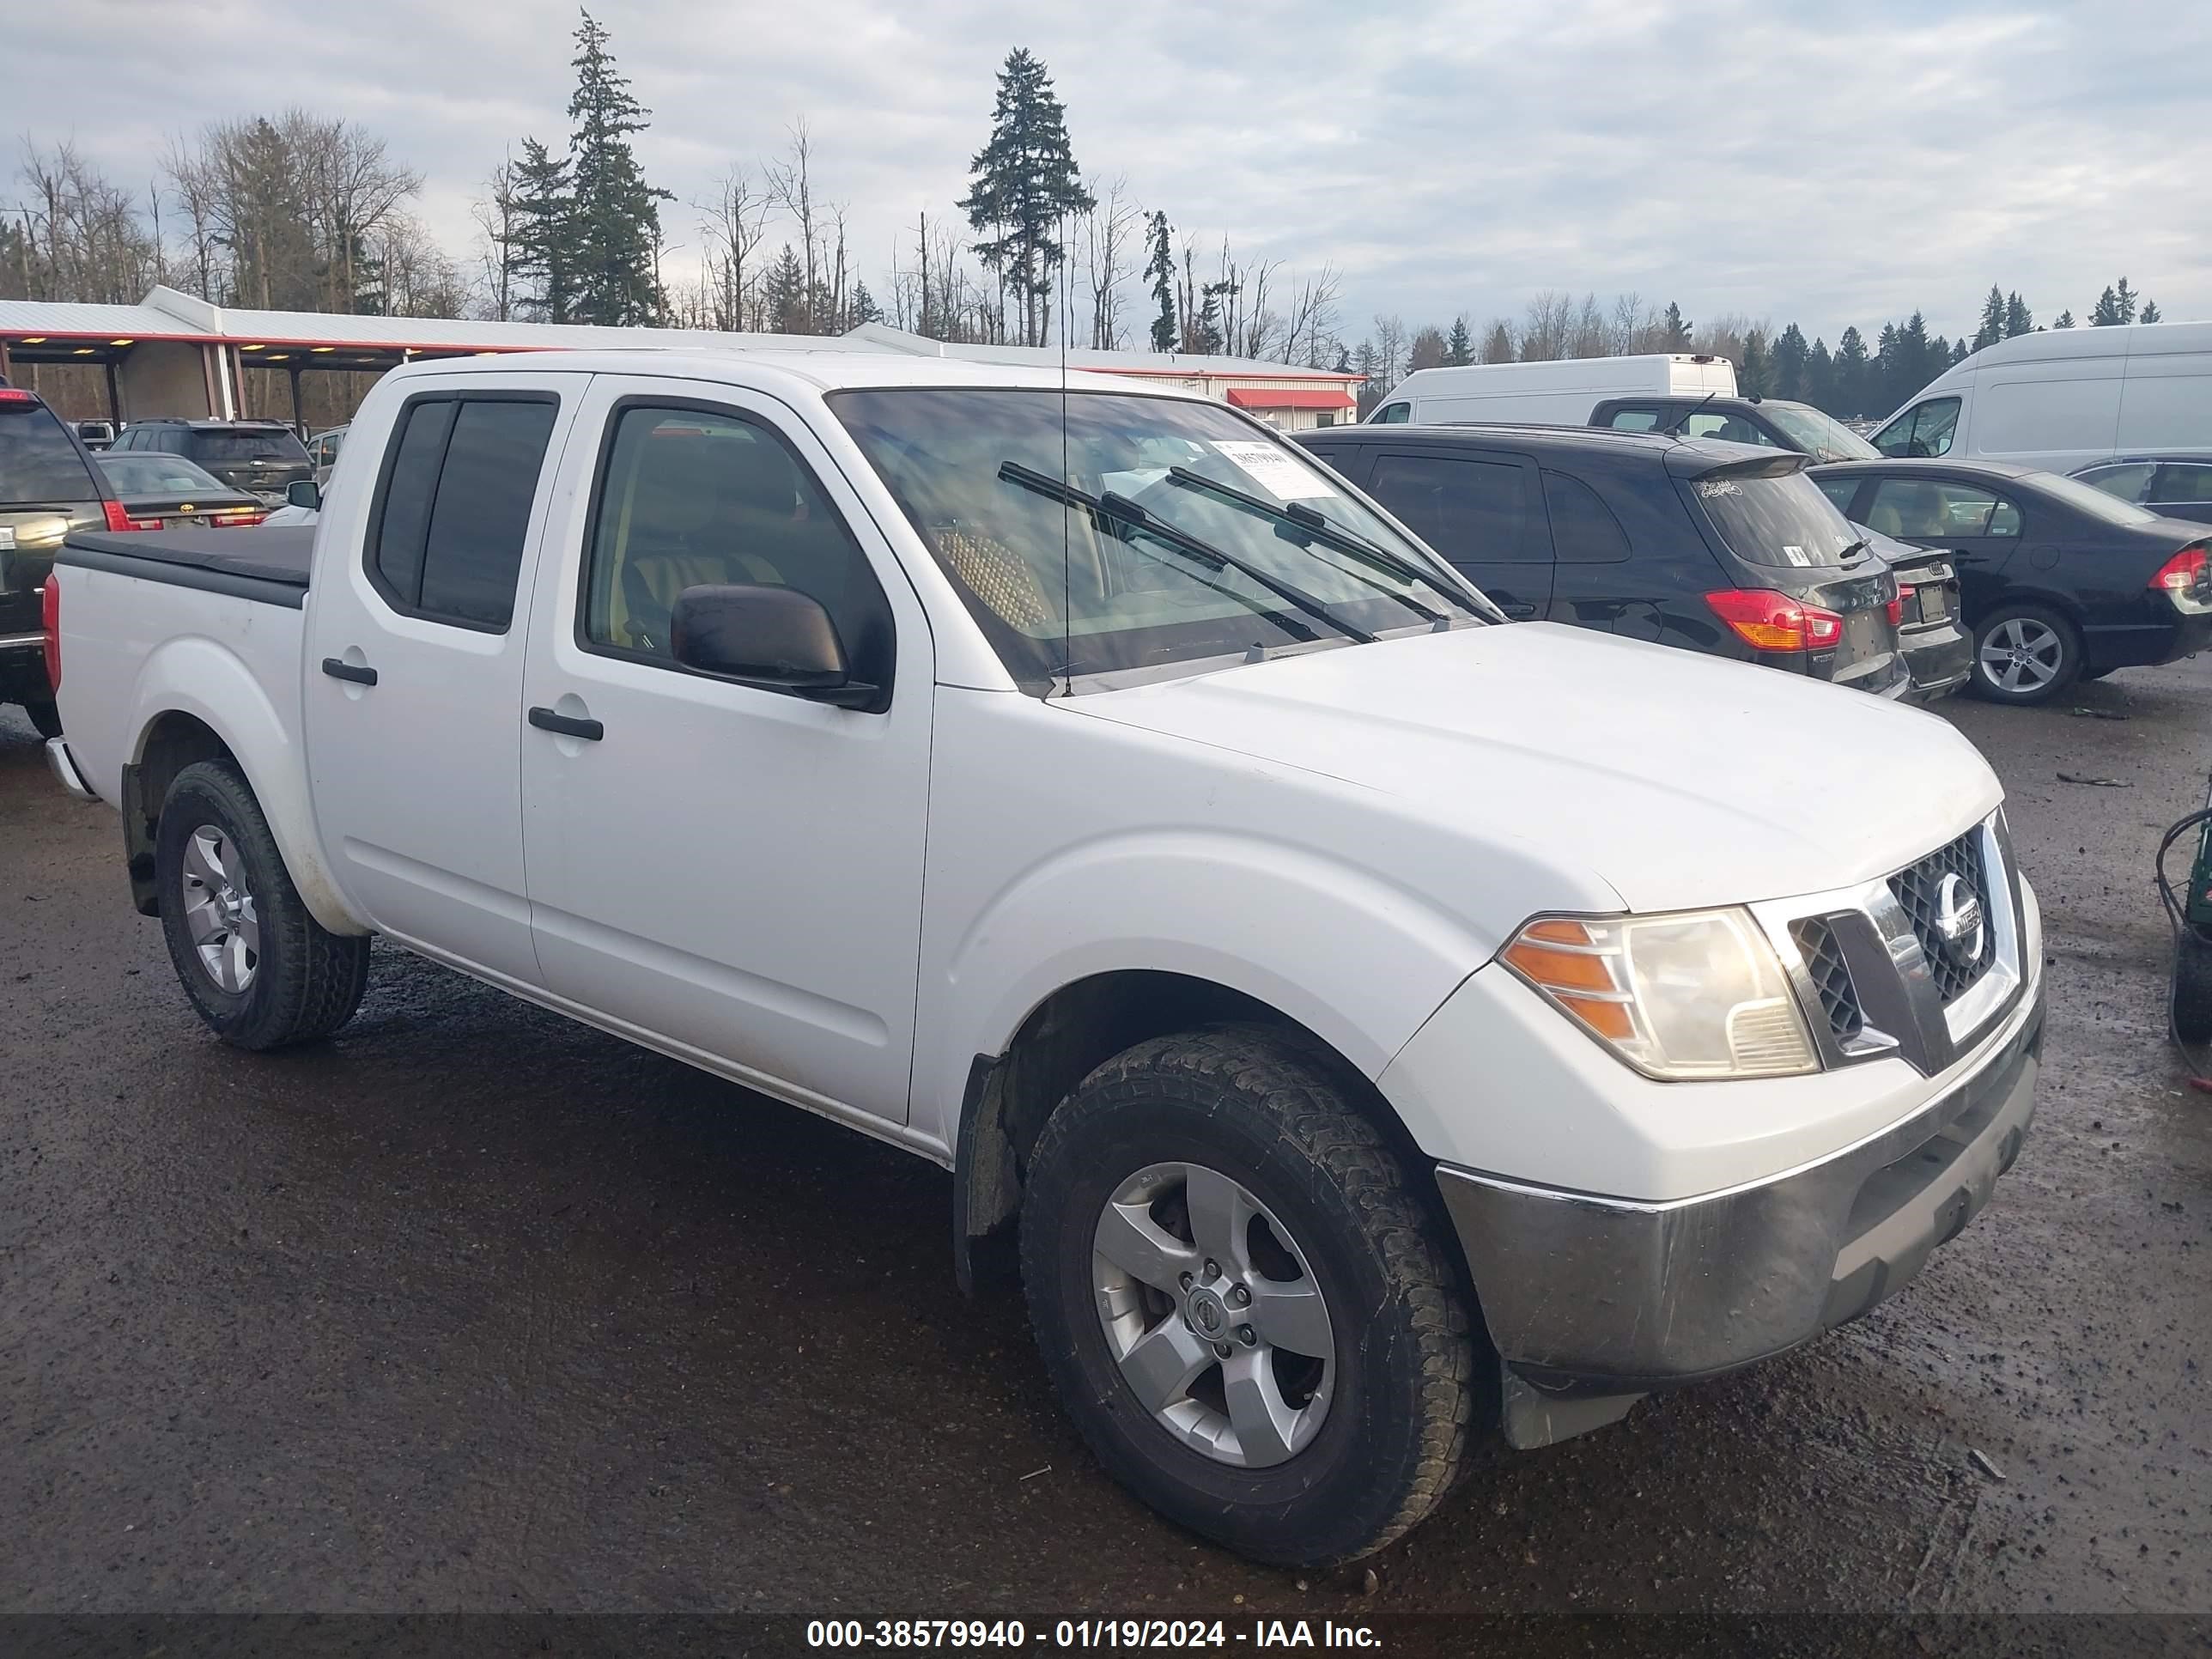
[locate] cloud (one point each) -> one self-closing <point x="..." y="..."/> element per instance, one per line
<point x="1826" y="164"/>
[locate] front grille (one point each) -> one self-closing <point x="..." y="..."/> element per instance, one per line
<point x="1918" y="888"/>
<point x="1832" y="977"/>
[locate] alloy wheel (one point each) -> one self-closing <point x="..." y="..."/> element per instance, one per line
<point x="2021" y="655"/>
<point x="220" y="914"/>
<point x="1213" y="1316"/>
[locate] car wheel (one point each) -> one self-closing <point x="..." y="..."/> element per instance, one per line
<point x="260" y="970"/>
<point x="1245" y="1304"/>
<point x="46" y="718"/>
<point x="2025" y="654"/>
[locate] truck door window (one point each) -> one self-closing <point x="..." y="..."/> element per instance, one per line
<point x="1729" y="429"/>
<point x="1925" y="429"/>
<point x="448" y="529"/>
<point x="1465" y="509"/>
<point x="1583" y="529"/>
<point x="1394" y="415"/>
<point x="1635" y="420"/>
<point x="691" y="498"/>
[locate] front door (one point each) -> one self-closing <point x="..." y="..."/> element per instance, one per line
<point x="413" y="693"/>
<point x="731" y="871"/>
<point x="1480" y="509"/>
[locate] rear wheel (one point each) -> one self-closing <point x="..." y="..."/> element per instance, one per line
<point x="2025" y="654"/>
<point x="1247" y="1309"/>
<point x="258" y="969"/>
<point x="45" y="718"/>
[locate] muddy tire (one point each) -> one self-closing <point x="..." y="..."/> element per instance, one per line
<point x="260" y="970"/>
<point x="1247" y="1306"/>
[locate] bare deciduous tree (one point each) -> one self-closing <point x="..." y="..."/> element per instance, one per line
<point x="1105" y="235"/>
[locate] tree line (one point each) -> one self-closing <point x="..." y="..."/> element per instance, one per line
<point x="297" y="212"/>
<point x="1853" y="380"/>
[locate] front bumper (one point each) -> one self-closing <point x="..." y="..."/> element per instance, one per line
<point x="1593" y="1301"/>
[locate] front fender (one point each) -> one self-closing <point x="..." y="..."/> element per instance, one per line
<point x="196" y="676"/>
<point x="1357" y="958"/>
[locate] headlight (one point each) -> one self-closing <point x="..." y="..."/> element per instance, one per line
<point x="1694" y="995"/>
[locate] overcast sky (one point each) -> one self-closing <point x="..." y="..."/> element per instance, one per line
<point x="1829" y="164"/>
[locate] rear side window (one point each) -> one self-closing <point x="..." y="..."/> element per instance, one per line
<point x="1635" y="420"/>
<point x="2125" y="484"/>
<point x="39" y="464"/>
<point x="447" y="533"/>
<point x="1729" y="429"/>
<point x="1583" y="529"/>
<point x="2183" y="481"/>
<point x="1468" y="510"/>
<point x="1930" y="510"/>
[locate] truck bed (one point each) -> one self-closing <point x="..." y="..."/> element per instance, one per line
<point x="270" y="566"/>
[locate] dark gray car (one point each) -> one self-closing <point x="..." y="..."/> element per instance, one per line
<point x="262" y="457"/>
<point x="2172" y="486"/>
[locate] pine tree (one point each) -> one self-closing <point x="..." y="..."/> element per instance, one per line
<point x="616" y="217"/>
<point x="1343" y="365"/>
<point x="1673" y="329"/>
<point x="783" y="291"/>
<point x="540" y="248"/>
<point x="2125" y="298"/>
<point x="1791" y="352"/>
<point x="1024" y="183"/>
<point x="862" y="307"/>
<point x="1753" y="378"/>
<point x="2150" y="312"/>
<point x="1497" y="345"/>
<point x="1854" y="390"/>
<point x="2065" y="320"/>
<point x="1993" y="318"/>
<point x="2018" y="319"/>
<point x="1459" y="351"/>
<point x="1821" y="377"/>
<point x="2107" y="311"/>
<point x="1159" y="265"/>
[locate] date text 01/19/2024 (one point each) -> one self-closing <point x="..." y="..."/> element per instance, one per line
<point x="1081" y="1633"/>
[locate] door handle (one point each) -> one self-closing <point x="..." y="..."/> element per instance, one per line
<point x="1518" y="611"/>
<point x="567" y="725"/>
<point x="358" y="673"/>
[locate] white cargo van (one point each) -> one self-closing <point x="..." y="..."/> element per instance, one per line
<point x="1550" y="393"/>
<point x="2065" y="398"/>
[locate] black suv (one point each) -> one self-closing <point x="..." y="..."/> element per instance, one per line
<point x="1770" y="423"/>
<point x="262" y="457"/>
<point x="1714" y="546"/>
<point x="48" y="487"/>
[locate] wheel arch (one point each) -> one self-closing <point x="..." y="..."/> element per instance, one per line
<point x="1069" y="1033"/>
<point x="199" y="702"/>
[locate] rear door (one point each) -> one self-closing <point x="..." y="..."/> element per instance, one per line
<point x="1481" y="510"/>
<point x="415" y="656"/>
<point x="1980" y="527"/>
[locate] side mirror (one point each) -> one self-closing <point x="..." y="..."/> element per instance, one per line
<point x="776" y="638"/>
<point x="304" y="492"/>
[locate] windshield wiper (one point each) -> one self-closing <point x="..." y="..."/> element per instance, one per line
<point x="1113" y="506"/>
<point x="1309" y="522"/>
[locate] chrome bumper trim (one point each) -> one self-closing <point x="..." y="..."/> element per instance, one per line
<point x="1587" y="1297"/>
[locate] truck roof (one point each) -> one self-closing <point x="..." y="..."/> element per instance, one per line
<point x="826" y="370"/>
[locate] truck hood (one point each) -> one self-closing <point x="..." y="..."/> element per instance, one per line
<point x="1675" y="778"/>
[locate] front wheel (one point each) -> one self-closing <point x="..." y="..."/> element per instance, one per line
<point x="2025" y="654"/>
<point x="260" y="970"/>
<point x="1244" y="1304"/>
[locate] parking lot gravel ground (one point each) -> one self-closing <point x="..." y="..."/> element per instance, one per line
<point x="475" y="1310"/>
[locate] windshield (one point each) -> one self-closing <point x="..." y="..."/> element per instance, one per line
<point x="2087" y="498"/>
<point x="229" y="449"/>
<point x="148" y="473"/>
<point x="39" y="464"/>
<point x="1152" y="531"/>
<point x="1821" y="436"/>
<point x="1775" y="520"/>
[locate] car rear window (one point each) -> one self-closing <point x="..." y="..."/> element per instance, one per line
<point x="39" y="464"/>
<point x="1784" y="521"/>
<point x="229" y="449"/>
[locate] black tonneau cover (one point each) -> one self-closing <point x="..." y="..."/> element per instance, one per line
<point x="270" y="565"/>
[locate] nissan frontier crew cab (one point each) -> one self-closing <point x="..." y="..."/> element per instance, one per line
<point x="1384" y="1028"/>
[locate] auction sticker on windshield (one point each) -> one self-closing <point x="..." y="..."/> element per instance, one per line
<point x="1287" y="478"/>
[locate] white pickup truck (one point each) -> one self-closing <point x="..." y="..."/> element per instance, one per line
<point x="1385" y="1026"/>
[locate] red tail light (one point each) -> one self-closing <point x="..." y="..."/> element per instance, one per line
<point x="119" y="520"/>
<point x="1897" y="607"/>
<point x="2183" y="571"/>
<point x="50" y="623"/>
<point x="1767" y="621"/>
<point x="9" y="394"/>
<point x="238" y="520"/>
